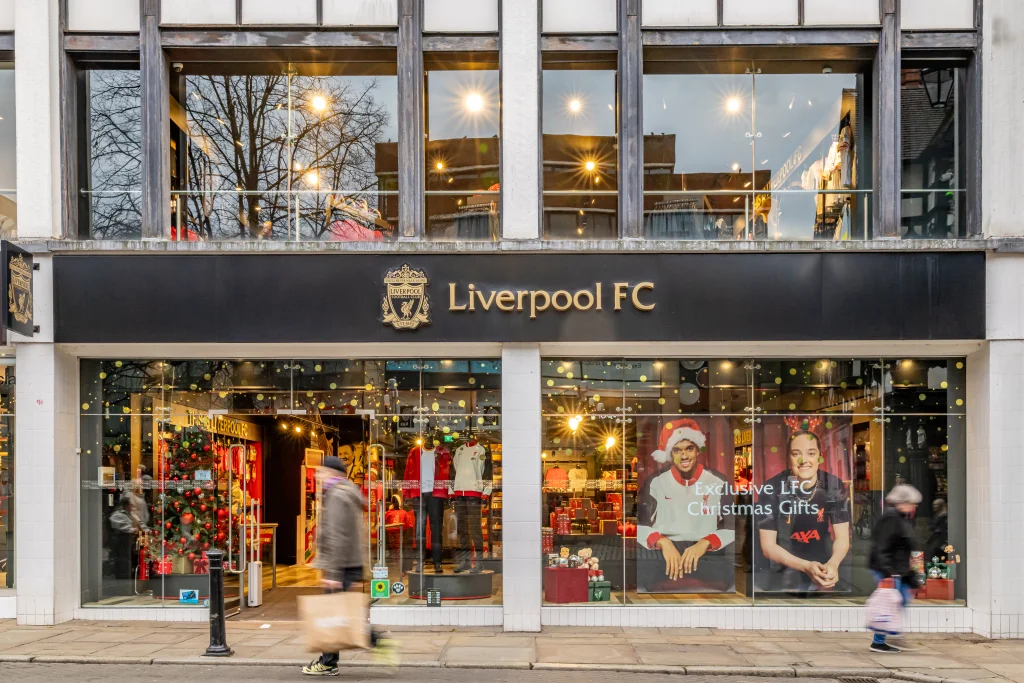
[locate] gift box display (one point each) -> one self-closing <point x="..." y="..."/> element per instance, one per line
<point x="600" y="591"/>
<point x="563" y="585"/>
<point x="547" y="540"/>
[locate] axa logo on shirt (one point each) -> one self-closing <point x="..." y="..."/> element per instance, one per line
<point x="806" y="536"/>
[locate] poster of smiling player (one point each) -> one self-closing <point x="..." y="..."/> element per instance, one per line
<point x="802" y="472"/>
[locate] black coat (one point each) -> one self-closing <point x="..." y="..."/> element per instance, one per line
<point x="894" y="539"/>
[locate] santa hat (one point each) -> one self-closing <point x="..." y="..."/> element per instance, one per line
<point x="674" y="432"/>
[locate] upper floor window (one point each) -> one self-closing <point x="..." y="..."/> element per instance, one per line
<point x="932" y="131"/>
<point x="463" y="154"/>
<point x="580" y="147"/>
<point x="298" y="151"/>
<point x="756" y="151"/>
<point x="8" y="170"/>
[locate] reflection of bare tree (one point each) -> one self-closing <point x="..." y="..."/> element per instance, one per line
<point x="115" y="154"/>
<point x="239" y="142"/>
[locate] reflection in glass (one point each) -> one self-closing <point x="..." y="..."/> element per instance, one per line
<point x="7" y="415"/>
<point x="310" y="154"/>
<point x="8" y="170"/>
<point x="111" y="201"/>
<point x="462" y="153"/>
<point x="932" y="123"/>
<point x="580" y="152"/>
<point x="754" y="156"/>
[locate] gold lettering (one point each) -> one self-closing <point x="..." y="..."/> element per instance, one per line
<point x="598" y="297"/>
<point x="521" y="294"/>
<point x="486" y="303"/>
<point x="636" y="296"/>
<point x="472" y="297"/>
<point x="590" y="300"/>
<point x="452" y="306"/>
<point x="534" y="295"/>
<point x="620" y="294"/>
<point x="568" y="300"/>
<point x="506" y="300"/>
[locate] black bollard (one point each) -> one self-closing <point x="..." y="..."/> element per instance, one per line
<point x="218" y="630"/>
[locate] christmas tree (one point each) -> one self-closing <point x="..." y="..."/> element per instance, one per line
<point x="190" y="515"/>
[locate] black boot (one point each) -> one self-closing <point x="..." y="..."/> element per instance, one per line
<point x="438" y="569"/>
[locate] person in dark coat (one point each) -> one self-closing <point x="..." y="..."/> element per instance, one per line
<point x="893" y="541"/>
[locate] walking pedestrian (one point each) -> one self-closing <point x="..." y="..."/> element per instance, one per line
<point x="893" y="541"/>
<point x="339" y="554"/>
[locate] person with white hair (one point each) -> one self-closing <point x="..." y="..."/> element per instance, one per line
<point x="893" y="541"/>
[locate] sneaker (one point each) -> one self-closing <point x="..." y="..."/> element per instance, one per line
<point x="884" y="648"/>
<point x="461" y="567"/>
<point x="438" y="569"/>
<point x="902" y="644"/>
<point x="386" y="653"/>
<point x="477" y="568"/>
<point x="317" y="668"/>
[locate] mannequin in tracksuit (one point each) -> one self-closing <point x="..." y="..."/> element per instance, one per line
<point x="471" y="487"/>
<point x="427" y="474"/>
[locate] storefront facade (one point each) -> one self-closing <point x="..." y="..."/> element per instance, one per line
<point x="665" y="296"/>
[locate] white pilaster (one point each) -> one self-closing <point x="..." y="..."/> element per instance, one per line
<point x="521" y="483"/>
<point x="995" y="470"/>
<point x="37" y="104"/>
<point x="1002" y="120"/>
<point x="46" y="495"/>
<point x="520" y="120"/>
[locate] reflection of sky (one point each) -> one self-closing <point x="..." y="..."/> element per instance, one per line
<point x="797" y="117"/>
<point x="793" y="112"/>
<point x="7" y="156"/>
<point x="448" y="117"/>
<point x="386" y="95"/>
<point x="595" y="91"/>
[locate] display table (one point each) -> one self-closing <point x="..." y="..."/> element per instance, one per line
<point x="462" y="586"/>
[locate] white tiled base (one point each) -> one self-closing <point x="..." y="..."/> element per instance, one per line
<point x="921" y="619"/>
<point x="436" y="616"/>
<point x="8" y="607"/>
<point x="143" y="614"/>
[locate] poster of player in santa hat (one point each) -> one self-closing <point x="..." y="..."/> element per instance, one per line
<point x="802" y="470"/>
<point x="685" y="529"/>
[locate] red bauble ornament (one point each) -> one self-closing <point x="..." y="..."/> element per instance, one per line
<point x="222" y="514"/>
<point x="192" y="556"/>
<point x="168" y="525"/>
<point x="206" y="447"/>
<point x="182" y="540"/>
<point x="187" y="518"/>
<point x="206" y="546"/>
<point x="188" y="494"/>
<point x="203" y="508"/>
<point x="207" y="526"/>
<point x="180" y="551"/>
<point x="197" y="491"/>
<point x="221" y="535"/>
<point x="175" y="477"/>
<point x="194" y="456"/>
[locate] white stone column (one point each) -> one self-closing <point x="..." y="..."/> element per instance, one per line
<point x="520" y="119"/>
<point x="37" y="108"/>
<point x="521" y="482"/>
<point x="1002" y="118"/>
<point x="995" y="469"/>
<point x="47" y="485"/>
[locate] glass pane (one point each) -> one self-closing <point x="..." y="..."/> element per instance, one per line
<point x="812" y="473"/>
<point x="698" y="160"/>
<point x="812" y="166"/>
<point x="929" y="453"/>
<point x="112" y="192"/>
<point x="934" y="191"/>
<point x="823" y="385"/>
<point x="580" y="151"/>
<point x="926" y="385"/>
<point x="8" y="170"/>
<point x="462" y="152"/>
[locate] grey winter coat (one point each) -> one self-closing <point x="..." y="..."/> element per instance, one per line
<point x="341" y="533"/>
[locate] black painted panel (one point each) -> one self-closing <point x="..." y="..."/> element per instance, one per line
<point x="296" y="298"/>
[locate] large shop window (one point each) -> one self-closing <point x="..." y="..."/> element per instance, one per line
<point x="739" y="481"/>
<point x="298" y="151"/>
<point x="8" y="165"/>
<point x="183" y="456"/>
<point x="110" y="173"/>
<point x="756" y="151"/>
<point x="933" y="152"/>
<point x="580" y="148"/>
<point x="7" y="414"/>
<point x="463" y="154"/>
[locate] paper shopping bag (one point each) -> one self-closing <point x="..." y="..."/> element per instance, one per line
<point x="336" y="621"/>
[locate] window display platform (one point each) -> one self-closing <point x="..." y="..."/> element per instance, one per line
<point x="464" y="586"/>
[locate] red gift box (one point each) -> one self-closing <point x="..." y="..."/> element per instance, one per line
<point x="566" y="585"/>
<point x="563" y="525"/>
<point x="609" y="527"/>
<point x="939" y="589"/>
<point x="575" y="503"/>
<point x="164" y="566"/>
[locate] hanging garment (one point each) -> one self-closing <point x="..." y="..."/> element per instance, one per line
<point x="846" y="155"/>
<point x="472" y="471"/>
<point x="556" y="478"/>
<point x="577" y="479"/>
<point x="349" y="230"/>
